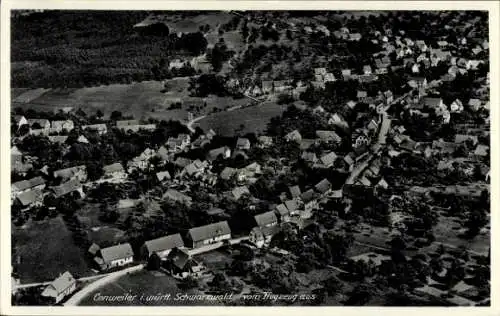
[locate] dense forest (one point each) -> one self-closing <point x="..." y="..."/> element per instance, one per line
<point x="83" y="48"/>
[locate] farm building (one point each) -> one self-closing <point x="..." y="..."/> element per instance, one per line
<point x="208" y="234"/>
<point x="161" y="246"/>
<point x="61" y="287"/>
<point x="115" y="256"/>
<point x="266" y="219"/>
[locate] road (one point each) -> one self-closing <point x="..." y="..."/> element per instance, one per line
<point x="78" y="296"/>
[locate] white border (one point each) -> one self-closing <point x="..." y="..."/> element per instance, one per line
<point x="494" y="27"/>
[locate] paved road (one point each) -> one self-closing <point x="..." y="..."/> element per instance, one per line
<point x="27" y="285"/>
<point x="78" y="296"/>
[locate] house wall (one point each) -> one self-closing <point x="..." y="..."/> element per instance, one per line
<point x="209" y="241"/>
<point x="120" y="262"/>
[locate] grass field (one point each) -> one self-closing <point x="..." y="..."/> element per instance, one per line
<point x="254" y="119"/>
<point x="138" y="99"/>
<point x="47" y="249"/>
<point x="29" y="95"/>
<point x="143" y="283"/>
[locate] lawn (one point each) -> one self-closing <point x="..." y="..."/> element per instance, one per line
<point x="253" y="119"/>
<point x="143" y="283"/>
<point x="47" y="249"/>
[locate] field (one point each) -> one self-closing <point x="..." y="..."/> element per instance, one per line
<point x="29" y="95"/>
<point x="47" y="249"/>
<point x="178" y="23"/>
<point x="137" y="99"/>
<point x="141" y="283"/>
<point x="253" y="119"/>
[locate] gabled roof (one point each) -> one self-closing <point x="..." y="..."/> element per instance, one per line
<point x="127" y="122"/>
<point x="328" y="159"/>
<point x="294" y="191"/>
<point x="177" y="196"/>
<point x="67" y="187"/>
<point x="58" y="139"/>
<point x="162" y="175"/>
<point x="282" y="210"/>
<point x="214" y="153"/>
<point x="27" y="184"/>
<point x="432" y="102"/>
<point x="115" y="167"/>
<point x="481" y="150"/>
<point x="293" y="135"/>
<point x="227" y="173"/>
<point x="164" y="243"/>
<point x="14" y="151"/>
<point x="308" y="195"/>
<point x="120" y="251"/>
<point x="328" y="136"/>
<point x="29" y="197"/>
<point x="323" y="186"/>
<point x="309" y="156"/>
<point x="59" y="285"/>
<point x="291" y="205"/>
<point x="238" y="192"/>
<point x="68" y="172"/>
<point x="266" y="218"/>
<point x="243" y="142"/>
<point x="209" y="231"/>
<point x="179" y="258"/>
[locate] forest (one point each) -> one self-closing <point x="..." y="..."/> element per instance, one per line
<point x="82" y="48"/>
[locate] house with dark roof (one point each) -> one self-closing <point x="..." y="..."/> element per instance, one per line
<point x="114" y="256"/>
<point x="19" y="187"/>
<point x="181" y="265"/>
<point x="61" y="287"/>
<point x="327" y="160"/>
<point x="283" y="212"/>
<point x="261" y="236"/>
<point x="323" y="187"/>
<point x="208" y="234"/>
<point x="161" y="246"/>
<point x="28" y="199"/>
<point x="310" y="200"/>
<point x="266" y="219"/>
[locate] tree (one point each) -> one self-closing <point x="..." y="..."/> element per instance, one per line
<point x="94" y="170"/>
<point x="476" y="219"/>
<point x="154" y="262"/>
<point x="332" y="285"/>
<point x="116" y="115"/>
<point x="360" y="295"/>
<point x="99" y="114"/>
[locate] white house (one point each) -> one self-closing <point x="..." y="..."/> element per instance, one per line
<point x="61" y="287"/>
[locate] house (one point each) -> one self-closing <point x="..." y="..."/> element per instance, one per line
<point x="328" y="136"/>
<point x="292" y="206"/>
<point x="442" y="44"/>
<point x="176" y="196"/>
<point x="70" y="186"/>
<point x="481" y="151"/>
<point x="37" y="124"/>
<point x="15" y="154"/>
<point x="362" y="96"/>
<point x="293" y="136"/>
<point x="59" y="126"/>
<point x="222" y="152"/>
<point x="123" y="123"/>
<point x="243" y="144"/>
<point x="337" y="120"/>
<point x="227" y="173"/>
<point x="179" y="143"/>
<point x="181" y="265"/>
<point x="163" y="153"/>
<point x="327" y="160"/>
<point x="20" y="167"/>
<point x="382" y="184"/>
<point x="474" y="104"/>
<point x="355" y="37"/>
<point x="29" y="198"/>
<point x="364" y="181"/>
<point x="267" y="86"/>
<point x="208" y="234"/>
<point x="433" y="103"/>
<point x="415" y="68"/>
<point x="101" y="129"/>
<point x="421" y="45"/>
<point x="283" y="212"/>
<point x="195" y="168"/>
<point x="266" y="219"/>
<point x="19" y="187"/>
<point x="367" y="69"/>
<point x="61" y="287"/>
<point x="82" y="139"/>
<point x="461" y="138"/>
<point x="20" y="120"/>
<point x="77" y="172"/>
<point x="417" y="82"/>
<point x="114" y="171"/>
<point x="136" y="128"/>
<point x="389" y="96"/>
<point x="309" y="157"/>
<point x="346" y="74"/>
<point x="238" y="192"/>
<point x="456" y="106"/>
<point x="163" y="175"/>
<point x="473" y="64"/>
<point x="161" y="246"/>
<point x="265" y="141"/>
<point x="349" y="159"/>
<point x="309" y="198"/>
<point x="373" y="125"/>
<point x="323" y="187"/>
<point x="114" y="256"/>
<point x="359" y="138"/>
<point x="294" y="191"/>
<point x="261" y="236"/>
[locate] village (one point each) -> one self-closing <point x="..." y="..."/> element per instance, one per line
<point x="366" y="191"/>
